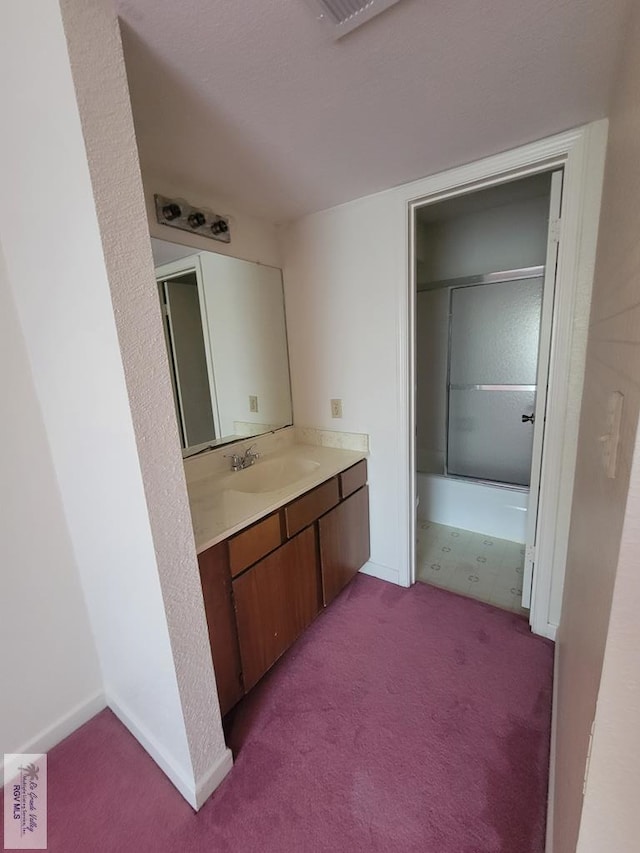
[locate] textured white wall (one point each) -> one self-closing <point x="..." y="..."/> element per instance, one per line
<point x="62" y="294"/>
<point x="610" y="818"/>
<point x="100" y="81"/>
<point x="92" y="326"/>
<point x="44" y="624"/>
<point x="343" y="321"/>
<point x="604" y="549"/>
<point x="501" y="238"/>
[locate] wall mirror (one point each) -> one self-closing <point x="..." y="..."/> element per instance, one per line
<point x="226" y="337"/>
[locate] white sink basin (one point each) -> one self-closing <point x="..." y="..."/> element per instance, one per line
<point x="271" y="475"/>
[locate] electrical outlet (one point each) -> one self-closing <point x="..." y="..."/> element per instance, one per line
<point x="253" y="403"/>
<point x="336" y="408"/>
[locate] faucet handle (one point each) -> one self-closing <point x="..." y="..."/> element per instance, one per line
<point x="250" y="456"/>
<point x="236" y="460"/>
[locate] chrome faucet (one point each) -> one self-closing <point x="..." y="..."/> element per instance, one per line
<point x="241" y="461"/>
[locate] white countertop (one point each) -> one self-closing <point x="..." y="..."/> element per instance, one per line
<point x="219" y="509"/>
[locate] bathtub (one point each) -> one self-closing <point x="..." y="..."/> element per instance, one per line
<point x="494" y="510"/>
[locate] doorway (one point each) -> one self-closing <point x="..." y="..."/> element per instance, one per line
<point x="485" y="274"/>
<point x="182" y="322"/>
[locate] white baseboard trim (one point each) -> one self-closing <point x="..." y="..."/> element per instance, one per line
<point x="546" y="630"/>
<point x="49" y="737"/>
<point x="384" y="573"/>
<point x="194" y="792"/>
<point x="552" y="754"/>
<point x="208" y="783"/>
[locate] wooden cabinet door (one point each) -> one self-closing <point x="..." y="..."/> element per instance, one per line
<point x="275" y="600"/>
<point x="215" y="578"/>
<point x="344" y="543"/>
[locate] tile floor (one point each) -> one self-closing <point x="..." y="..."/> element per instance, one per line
<point x="472" y="564"/>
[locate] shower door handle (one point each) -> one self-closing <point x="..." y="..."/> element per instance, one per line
<point x="529" y="418"/>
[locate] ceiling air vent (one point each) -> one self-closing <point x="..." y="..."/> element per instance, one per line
<point x="345" y="15"/>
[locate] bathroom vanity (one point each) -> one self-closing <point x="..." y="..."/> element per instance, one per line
<point x="276" y="544"/>
<point x="281" y="520"/>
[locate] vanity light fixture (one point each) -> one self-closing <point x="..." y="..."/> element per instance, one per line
<point x="178" y="213"/>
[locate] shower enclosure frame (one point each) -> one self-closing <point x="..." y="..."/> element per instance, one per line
<point x="581" y="153"/>
<point x="521" y="274"/>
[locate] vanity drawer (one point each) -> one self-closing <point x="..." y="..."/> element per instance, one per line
<point x="353" y="478"/>
<point x="252" y="544"/>
<point x="306" y="509"/>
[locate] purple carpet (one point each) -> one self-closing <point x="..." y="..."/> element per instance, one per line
<point x="403" y="720"/>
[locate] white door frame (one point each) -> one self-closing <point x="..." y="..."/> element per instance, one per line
<point x="173" y="269"/>
<point x="581" y="153"/>
<point x="542" y="381"/>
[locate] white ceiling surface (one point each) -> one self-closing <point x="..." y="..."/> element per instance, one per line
<point x="254" y="102"/>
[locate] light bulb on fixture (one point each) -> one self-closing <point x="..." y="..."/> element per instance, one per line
<point x="171" y="211"/>
<point x="196" y="219"/>
<point x="219" y="227"/>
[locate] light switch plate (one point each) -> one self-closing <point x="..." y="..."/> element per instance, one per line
<point x="336" y="408"/>
<point x="253" y="403"/>
<point x="611" y="440"/>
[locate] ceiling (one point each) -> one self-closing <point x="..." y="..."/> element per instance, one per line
<point x="255" y="103"/>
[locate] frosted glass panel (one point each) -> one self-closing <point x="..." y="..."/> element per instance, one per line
<point x="494" y="333"/>
<point x="487" y="438"/>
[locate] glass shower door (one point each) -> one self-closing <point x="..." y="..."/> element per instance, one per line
<point x="493" y="356"/>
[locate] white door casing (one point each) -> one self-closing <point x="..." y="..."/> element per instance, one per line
<point x="162" y="292"/>
<point x="542" y="379"/>
<point x="173" y="270"/>
<point x="581" y="153"/>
